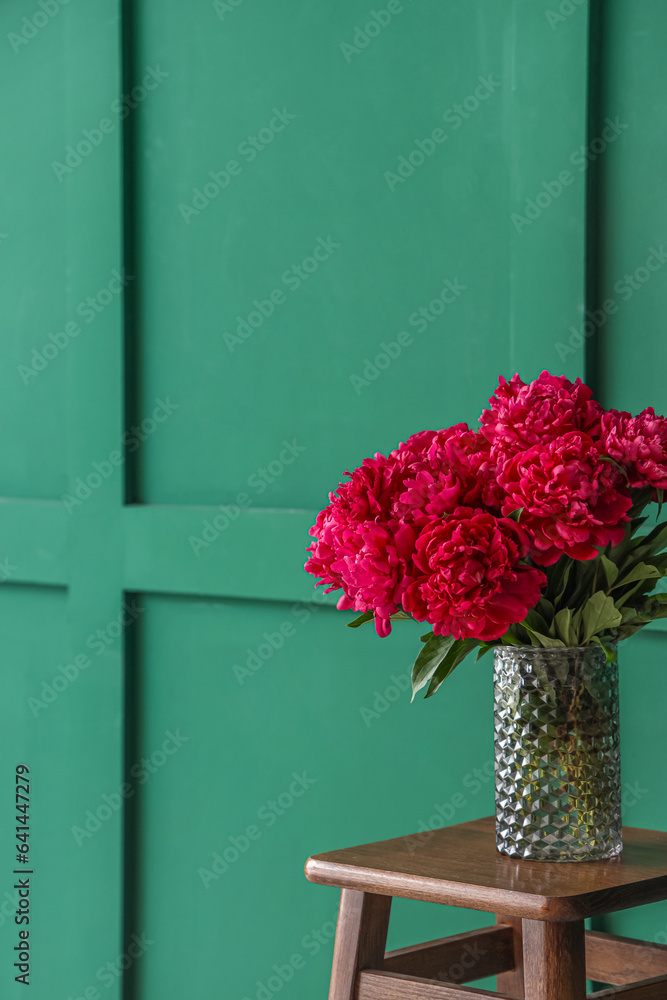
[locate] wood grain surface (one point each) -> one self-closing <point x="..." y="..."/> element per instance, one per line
<point x="554" y="961"/>
<point x="649" y="989"/>
<point x="621" y="960"/>
<point x="388" y="986"/>
<point x="361" y="936"/>
<point x="459" y="866"/>
<point x="511" y="981"/>
<point x="458" y="959"/>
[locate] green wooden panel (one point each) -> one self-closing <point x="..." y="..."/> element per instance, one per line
<point x="53" y="721"/>
<point x="63" y="212"/>
<point x="631" y="353"/>
<point x="631" y="339"/>
<point x="33" y="238"/>
<point x="333" y="172"/>
<point x="314" y="703"/>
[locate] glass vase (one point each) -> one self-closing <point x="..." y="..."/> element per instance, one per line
<point x="557" y="753"/>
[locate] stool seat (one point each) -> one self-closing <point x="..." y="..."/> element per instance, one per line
<point x="538" y="948"/>
<point x="460" y="866"/>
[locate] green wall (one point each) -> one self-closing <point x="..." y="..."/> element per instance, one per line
<point x="162" y="461"/>
<point x="629" y="358"/>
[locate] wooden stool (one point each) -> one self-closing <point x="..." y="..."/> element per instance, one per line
<point x="538" y="947"/>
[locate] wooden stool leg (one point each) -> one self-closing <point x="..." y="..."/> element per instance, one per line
<point x="554" y="960"/>
<point x="361" y="937"/>
<point x="512" y="982"/>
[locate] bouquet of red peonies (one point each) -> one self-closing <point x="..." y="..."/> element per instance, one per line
<point x="524" y="532"/>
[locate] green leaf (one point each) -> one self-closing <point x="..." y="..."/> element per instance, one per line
<point x="652" y="609"/>
<point x="564" y="629"/>
<point x="624" y="598"/>
<point x="535" y="621"/>
<point x="484" y="648"/>
<point x="627" y="630"/>
<point x="400" y="616"/>
<point x="510" y="638"/>
<point x="545" y="641"/>
<point x="515" y="514"/>
<point x="640" y="571"/>
<point x="654" y="542"/>
<point x="546" y="609"/>
<point x="566" y="576"/>
<point x="429" y="659"/>
<point x="599" y="615"/>
<point x="458" y="652"/>
<point x="610" y="570"/>
<point x="628" y="616"/>
<point x="608" y="650"/>
<point x="361" y="620"/>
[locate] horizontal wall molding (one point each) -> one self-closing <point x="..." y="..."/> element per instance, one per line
<point x="200" y="550"/>
<point x="257" y="553"/>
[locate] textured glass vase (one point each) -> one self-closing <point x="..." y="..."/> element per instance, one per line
<point x="558" y="764"/>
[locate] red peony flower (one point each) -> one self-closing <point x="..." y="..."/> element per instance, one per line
<point x="444" y="470"/>
<point x="417" y="445"/>
<point x="369" y="492"/>
<point x="359" y="546"/>
<point x="639" y="444"/>
<point x="470" y="582"/>
<point x="523" y="415"/>
<point x="572" y="500"/>
<point x="369" y="561"/>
